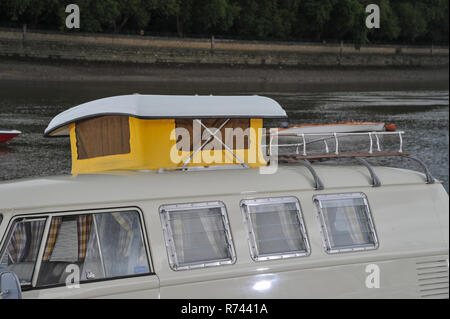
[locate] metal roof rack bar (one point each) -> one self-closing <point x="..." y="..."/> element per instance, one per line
<point x="375" y="180"/>
<point x="429" y="177"/>
<point x="358" y="156"/>
<point x="317" y="180"/>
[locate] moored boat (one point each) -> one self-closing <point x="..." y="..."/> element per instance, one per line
<point x="6" y="135"/>
<point x="345" y="127"/>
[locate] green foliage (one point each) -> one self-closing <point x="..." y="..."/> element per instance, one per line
<point x="389" y="24"/>
<point x="314" y="17"/>
<point x="411" y="19"/>
<point x="406" y="21"/>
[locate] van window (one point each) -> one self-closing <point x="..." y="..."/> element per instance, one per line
<point x="346" y="222"/>
<point x="20" y="253"/>
<point x="197" y="235"/>
<point x="98" y="246"/>
<point x="1" y="218"/>
<point x="275" y="228"/>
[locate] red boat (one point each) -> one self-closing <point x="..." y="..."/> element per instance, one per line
<point x="6" y="135"/>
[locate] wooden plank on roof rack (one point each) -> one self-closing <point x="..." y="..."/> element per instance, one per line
<point x="332" y="155"/>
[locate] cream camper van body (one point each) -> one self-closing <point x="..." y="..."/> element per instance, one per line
<point x="217" y="231"/>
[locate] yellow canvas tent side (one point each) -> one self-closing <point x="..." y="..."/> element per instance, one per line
<point x="125" y="142"/>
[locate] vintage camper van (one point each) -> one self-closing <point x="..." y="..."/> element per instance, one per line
<point x="167" y="200"/>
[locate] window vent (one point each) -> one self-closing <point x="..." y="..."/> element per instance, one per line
<point x="432" y="276"/>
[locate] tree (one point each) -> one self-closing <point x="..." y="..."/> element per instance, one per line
<point x="180" y="9"/>
<point x="411" y="20"/>
<point x="313" y="17"/>
<point x="210" y="16"/>
<point x="389" y="24"/>
<point x="136" y="12"/>
<point x="436" y="16"/>
<point x="344" y="20"/>
<point x="13" y="9"/>
<point x="408" y="21"/>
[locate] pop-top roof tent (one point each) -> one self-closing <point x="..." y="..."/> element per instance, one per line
<point x="140" y="131"/>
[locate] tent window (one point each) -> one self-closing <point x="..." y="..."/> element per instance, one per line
<point x="275" y="228"/>
<point x="235" y="133"/>
<point x="102" y="136"/>
<point x="197" y="235"/>
<point x="346" y="222"/>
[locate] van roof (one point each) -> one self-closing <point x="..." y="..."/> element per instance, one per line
<point x="168" y="107"/>
<point x="114" y="187"/>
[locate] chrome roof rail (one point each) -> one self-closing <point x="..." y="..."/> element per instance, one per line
<point x="373" y="150"/>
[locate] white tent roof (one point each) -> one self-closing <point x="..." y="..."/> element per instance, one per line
<point x="168" y="107"/>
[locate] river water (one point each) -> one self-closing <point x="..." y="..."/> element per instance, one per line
<point x="29" y="106"/>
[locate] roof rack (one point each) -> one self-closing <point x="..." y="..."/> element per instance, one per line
<point x="373" y="137"/>
<point x="304" y="158"/>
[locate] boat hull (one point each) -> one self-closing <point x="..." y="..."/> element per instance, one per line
<point x="8" y="135"/>
<point x="333" y="128"/>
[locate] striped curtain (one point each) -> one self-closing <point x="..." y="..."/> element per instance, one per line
<point x="16" y="247"/>
<point x="36" y="229"/>
<point x="52" y="236"/>
<point x="84" y="227"/>
<point x="126" y="232"/>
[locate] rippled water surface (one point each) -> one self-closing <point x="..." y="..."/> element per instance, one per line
<point x="29" y="106"/>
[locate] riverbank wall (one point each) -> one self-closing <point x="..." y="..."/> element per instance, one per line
<point x="158" y="50"/>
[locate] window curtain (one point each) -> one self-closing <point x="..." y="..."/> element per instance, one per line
<point x="215" y="232"/>
<point x="177" y="230"/>
<point x="276" y="228"/>
<point x="290" y="226"/>
<point x="24" y="243"/>
<point x="36" y="228"/>
<point x="102" y="136"/>
<point x="84" y="227"/>
<point x="357" y="231"/>
<point x="346" y="217"/>
<point x="16" y="247"/>
<point x="121" y="242"/>
<point x="126" y="233"/>
<point x="52" y="236"/>
<point x="199" y="235"/>
<point x="329" y="216"/>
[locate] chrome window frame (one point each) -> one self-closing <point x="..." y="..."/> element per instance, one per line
<point x="251" y="235"/>
<point x="324" y="230"/>
<point x="164" y="211"/>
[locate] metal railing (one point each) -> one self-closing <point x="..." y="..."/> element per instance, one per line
<point x="373" y="138"/>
